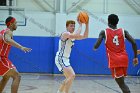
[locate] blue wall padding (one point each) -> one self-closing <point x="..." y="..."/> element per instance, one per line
<point x="83" y="59"/>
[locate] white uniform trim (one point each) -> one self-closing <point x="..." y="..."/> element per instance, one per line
<point x="123" y="34"/>
<point x="6" y="50"/>
<point x="116" y="75"/>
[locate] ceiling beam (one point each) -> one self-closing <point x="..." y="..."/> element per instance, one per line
<point x="46" y="2"/>
<point x="73" y="6"/>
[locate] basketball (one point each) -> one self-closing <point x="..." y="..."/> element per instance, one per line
<point x="83" y="17"/>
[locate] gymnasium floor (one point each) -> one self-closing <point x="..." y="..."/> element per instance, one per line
<point x="41" y="83"/>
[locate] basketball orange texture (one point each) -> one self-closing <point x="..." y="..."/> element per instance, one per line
<point x="83" y="17"/>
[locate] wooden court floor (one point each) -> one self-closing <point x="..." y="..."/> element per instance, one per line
<point x="43" y="83"/>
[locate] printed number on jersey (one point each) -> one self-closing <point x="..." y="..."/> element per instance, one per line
<point x="115" y="40"/>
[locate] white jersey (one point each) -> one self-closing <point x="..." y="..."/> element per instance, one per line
<point x="65" y="48"/>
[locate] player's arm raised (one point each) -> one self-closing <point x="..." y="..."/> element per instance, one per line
<point x="99" y="40"/>
<point x="134" y="46"/>
<point x="79" y="29"/>
<point x="8" y="38"/>
<point x="77" y="36"/>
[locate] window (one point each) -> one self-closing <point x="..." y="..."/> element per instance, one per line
<point x="7" y="3"/>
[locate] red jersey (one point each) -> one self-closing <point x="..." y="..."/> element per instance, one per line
<point x="115" y="48"/>
<point x="5" y="63"/>
<point x="4" y="47"/>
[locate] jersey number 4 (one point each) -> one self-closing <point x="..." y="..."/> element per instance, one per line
<point x="115" y="40"/>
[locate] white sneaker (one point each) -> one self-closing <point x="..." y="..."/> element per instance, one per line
<point x="59" y="91"/>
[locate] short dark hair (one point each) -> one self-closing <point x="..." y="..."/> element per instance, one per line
<point x="113" y="19"/>
<point x="8" y="19"/>
<point x="70" y="22"/>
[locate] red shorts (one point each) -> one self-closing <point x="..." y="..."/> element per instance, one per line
<point x="5" y="65"/>
<point x="119" y="72"/>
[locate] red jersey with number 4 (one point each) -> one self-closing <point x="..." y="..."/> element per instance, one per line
<point x="115" y="48"/>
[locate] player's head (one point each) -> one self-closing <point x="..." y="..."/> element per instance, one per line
<point x="113" y="20"/>
<point x="11" y="23"/>
<point x="70" y="25"/>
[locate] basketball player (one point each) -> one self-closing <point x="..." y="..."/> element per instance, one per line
<point x="116" y="52"/>
<point x="63" y="54"/>
<point x="7" y="69"/>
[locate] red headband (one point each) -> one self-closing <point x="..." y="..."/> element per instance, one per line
<point x="11" y="21"/>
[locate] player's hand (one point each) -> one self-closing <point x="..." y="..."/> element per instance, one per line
<point x="79" y="22"/>
<point x="25" y="49"/>
<point x="138" y="52"/>
<point x="135" y="61"/>
<point x="87" y="21"/>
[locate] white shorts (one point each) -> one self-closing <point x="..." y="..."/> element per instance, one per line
<point x="61" y="62"/>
